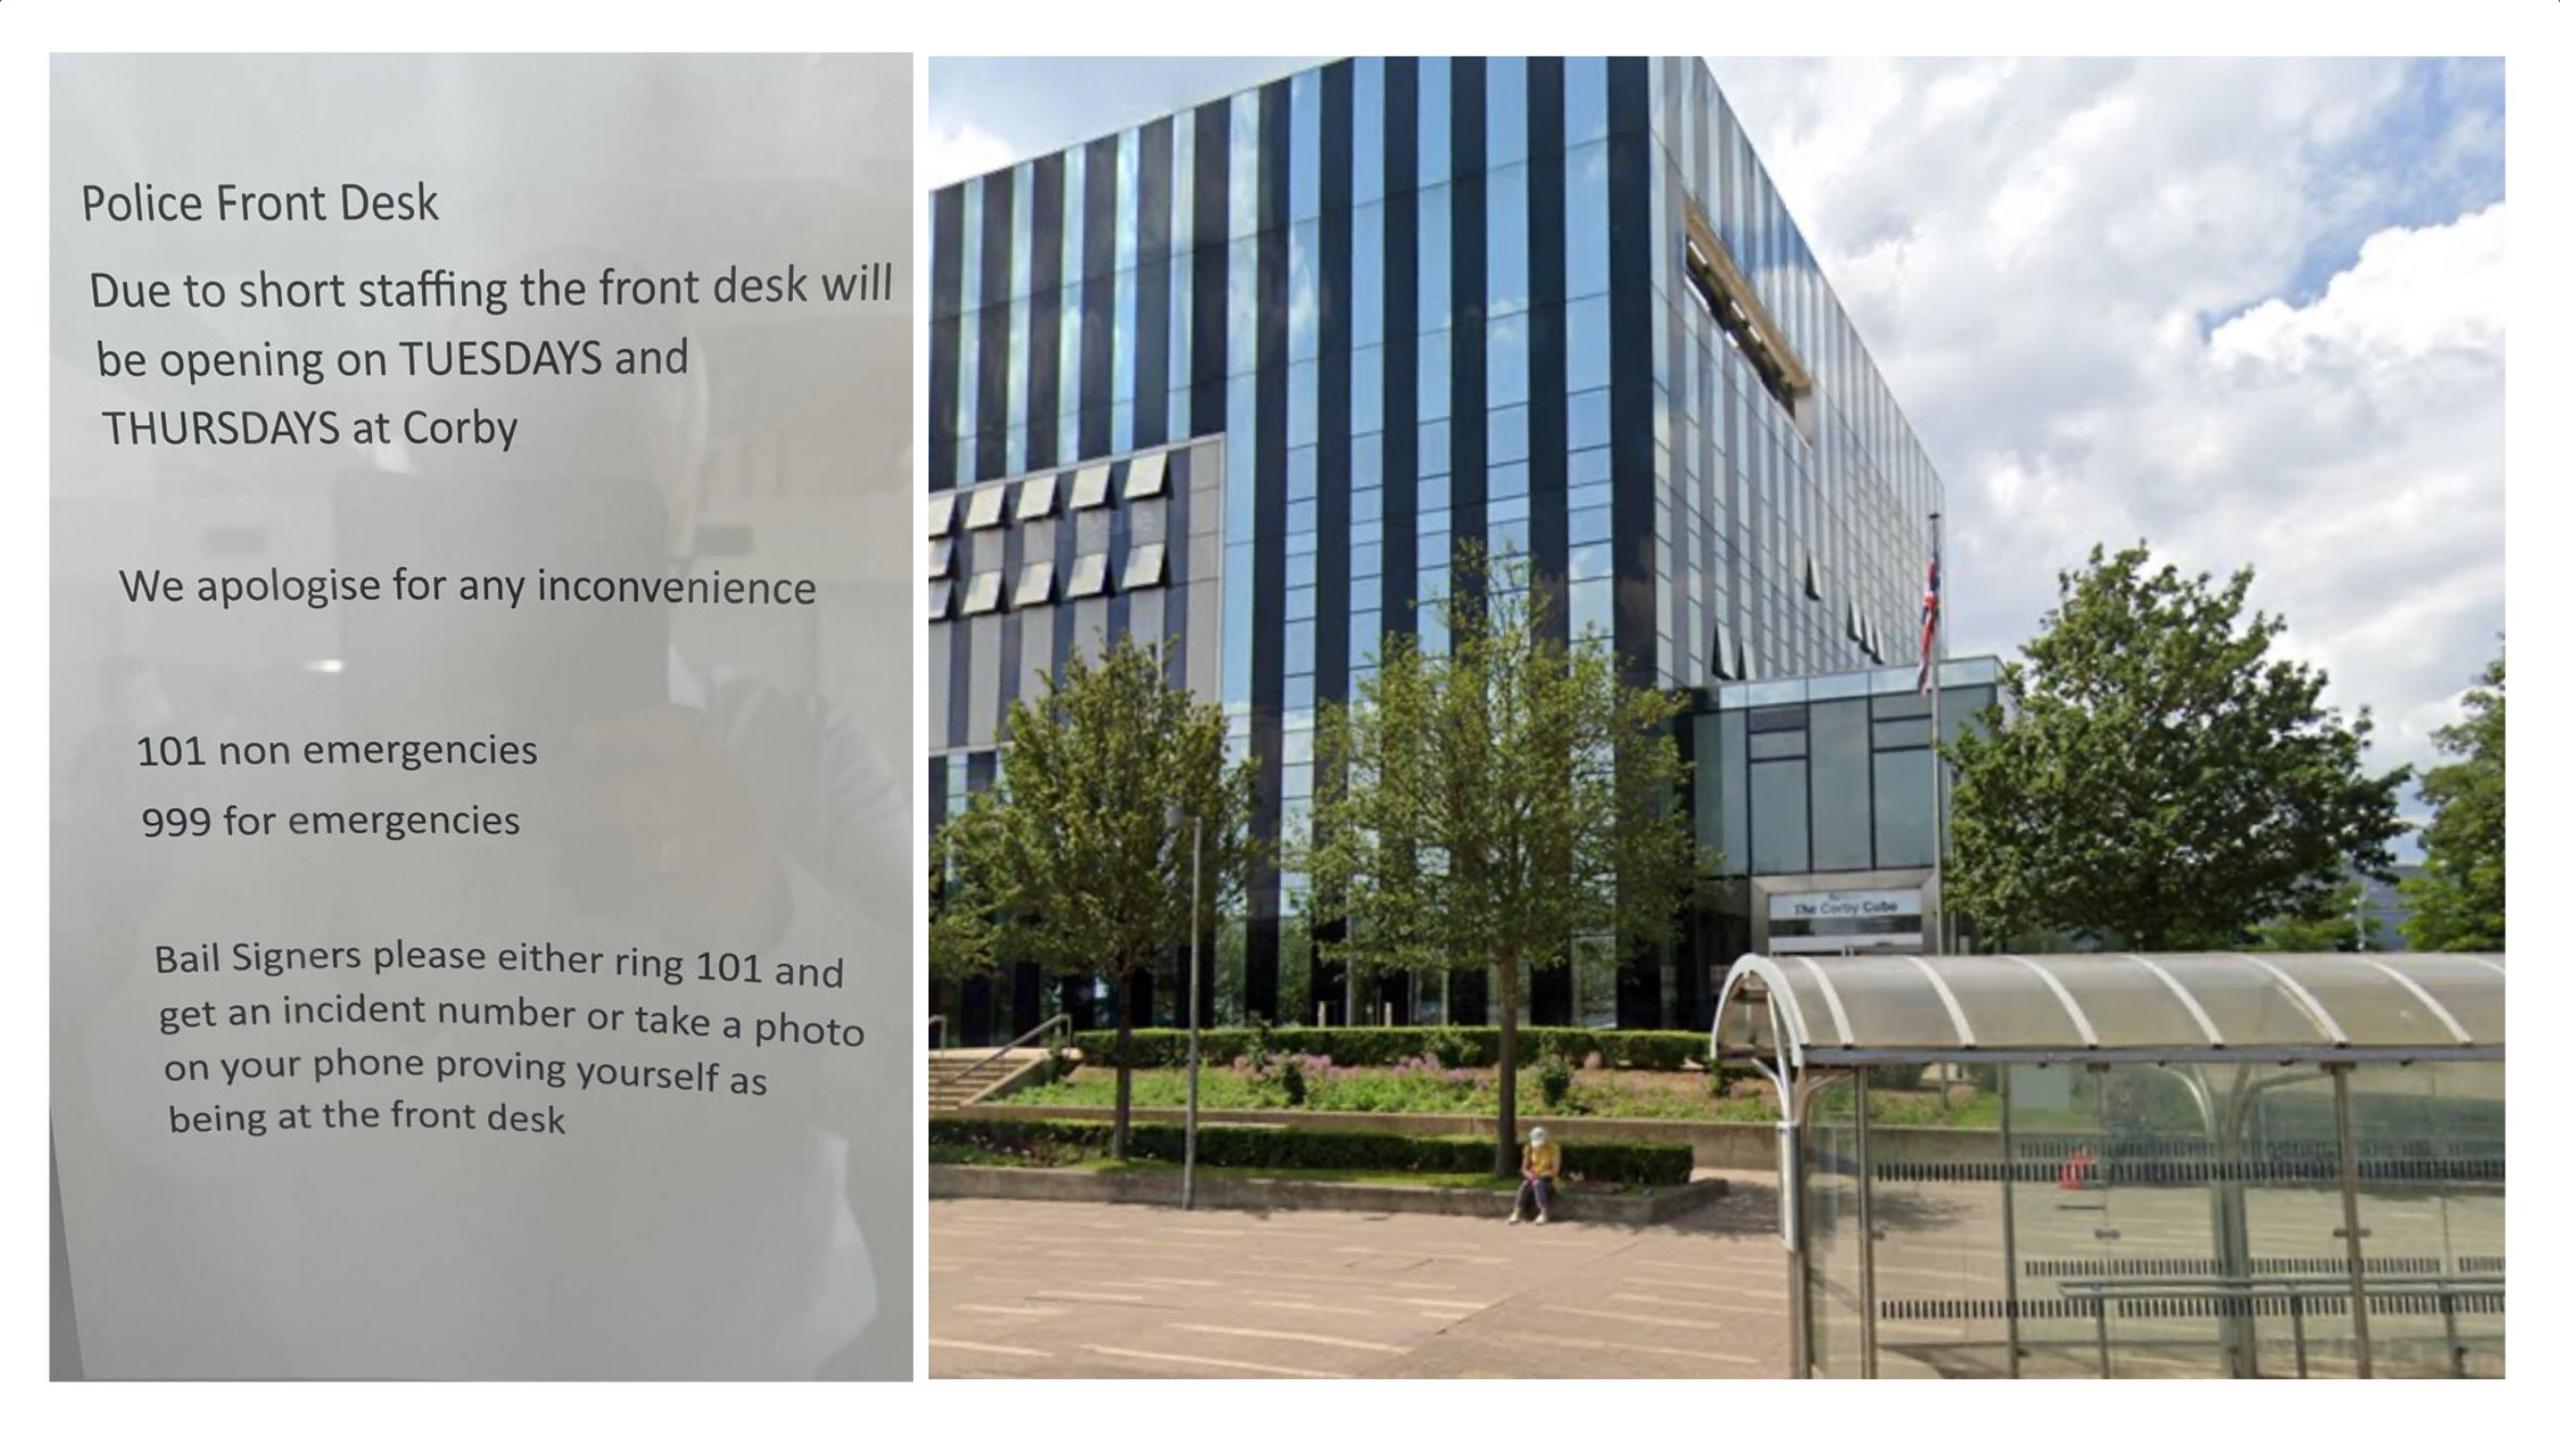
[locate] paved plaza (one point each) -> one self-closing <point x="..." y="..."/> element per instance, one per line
<point x="1056" y="1289"/>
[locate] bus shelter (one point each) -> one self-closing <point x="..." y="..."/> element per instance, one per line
<point x="2117" y="1165"/>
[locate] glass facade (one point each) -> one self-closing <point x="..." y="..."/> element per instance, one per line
<point x="1829" y="775"/>
<point x="1427" y="303"/>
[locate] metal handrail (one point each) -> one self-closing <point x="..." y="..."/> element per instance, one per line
<point x="1061" y="1020"/>
<point x="2098" y="1290"/>
<point x="2133" y="1286"/>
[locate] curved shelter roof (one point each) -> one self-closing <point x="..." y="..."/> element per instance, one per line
<point x="2102" y="1007"/>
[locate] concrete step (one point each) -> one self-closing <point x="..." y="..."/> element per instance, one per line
<point x="965" y="1076"/>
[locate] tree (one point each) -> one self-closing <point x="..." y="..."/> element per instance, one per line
<point x="2457" y="901"/>
<point x="1080" y="857"/>
<point x="1487" y="807"/>
<point x="2151" y="775"/>
<point x="2343" y="925"/>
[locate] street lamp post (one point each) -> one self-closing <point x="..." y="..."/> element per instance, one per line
<point x="1191" y="1103"/>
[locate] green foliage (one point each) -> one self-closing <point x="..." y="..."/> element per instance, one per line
<point x="1483" y="807"/>
<point x="1555" y="1080"/>
<point x="2458" y="901"/>
<point x="1462" y="1046"/>
<point x="2341" y="926"/>
<point x="1080" y="858"/>
<point x="1635" y="1163"/>
<point x="2154" y="777"/>
<point x="1293" y="1081"/>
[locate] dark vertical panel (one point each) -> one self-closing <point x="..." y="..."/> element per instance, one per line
<point x="995" y="318"/>
<point x="1115" y="623"/>
<point x="942" y="368"/>
<point x="1631" y="449"/>
<point x="1209" y="269"/>
<point x="1155" y="279"/>
<point x="1048" y="253"/>
<point x="1333" y="452"/>
<point x="1680" y="575"/>
<point x="1177" y="550"/>
<point x="1631" y="366"/>
<point x="1470" y="993"/>
<point x="1010" y="684"/>
<point x="955" y="718"/>
<point x="1101" y="198"/>
<point x="1400" y="311"/>
<point x="1270" y="566"/>
<point x="1399" y="453"/>
<point x="1550" y="988"/>
<point x="1467" y="229"/>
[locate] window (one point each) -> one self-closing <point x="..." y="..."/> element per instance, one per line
<point x="1092" y="575"/>
<point x="1145" y="568"/>
<point x="1092" y="487"/>
<point x="1039" y="498"/>
<point x="1842" y="816"/>
<point x="937" y="513"/>
<point x="937" y="600"/>
<point x="937" y="559"/>
<point x="1779" y="828"/>
<point x="1037" y="584"/>
<point x="986" y="508"/>
<point x="986" y="592"/>
<point x="1718" y="284"/>
<point x="1146" y="478"/>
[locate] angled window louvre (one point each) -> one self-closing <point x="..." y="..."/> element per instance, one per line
<point x="937" y="513"/>
<point x="1145" y="568"/>
<point x="1092" y="487"/>
<point x="1039" y="498"/>
<point x="937" y="600"/>
<point x="986" y="508"/>
<point x="986" y="592"/>
<point x="1091" y="576"/>
<point x="1812" y="575"/>
<point x="1146" y="478"/>
<point x="1037" y="585"/>
<point x="1722" y="656"/>
<point x="937" y="559"/>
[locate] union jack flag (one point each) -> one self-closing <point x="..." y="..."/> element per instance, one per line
<point x="1929" y="625"/>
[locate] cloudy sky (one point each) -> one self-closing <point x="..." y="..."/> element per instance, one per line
<point x="2250" y="311"/>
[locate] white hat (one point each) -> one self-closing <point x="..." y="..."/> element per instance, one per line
<point x="1537" y="1136"/>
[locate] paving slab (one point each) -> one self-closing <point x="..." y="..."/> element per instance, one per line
<point x="1086" y="1290"/>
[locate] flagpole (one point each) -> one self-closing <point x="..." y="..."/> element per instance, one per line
<point x="1937" y="766"/>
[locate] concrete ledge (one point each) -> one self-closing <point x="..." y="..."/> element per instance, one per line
<point x="1242" y="1193"/>
<point x="1720" y="1145"/>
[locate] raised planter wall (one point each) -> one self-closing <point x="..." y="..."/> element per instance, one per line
<point x="1243" y="1193"/>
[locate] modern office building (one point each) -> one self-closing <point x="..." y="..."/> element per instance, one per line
<point x="1244" y="377"/>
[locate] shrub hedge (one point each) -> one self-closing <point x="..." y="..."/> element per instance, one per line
<point x="1638" y="1050"/>
<point x="1638" y="1163"/>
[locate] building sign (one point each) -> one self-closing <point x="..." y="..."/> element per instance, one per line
<point x="1849" y="920"/>
<point x="1854" y="903"/>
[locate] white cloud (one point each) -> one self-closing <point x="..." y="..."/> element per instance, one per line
<point x="2074" y="276"/>
<point x="950" y="153"/>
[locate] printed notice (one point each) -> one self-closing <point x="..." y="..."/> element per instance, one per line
<point x="481" y="714"/>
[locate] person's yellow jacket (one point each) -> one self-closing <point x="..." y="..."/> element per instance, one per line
<point x="1547" y="1160"/>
